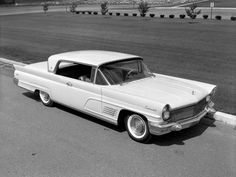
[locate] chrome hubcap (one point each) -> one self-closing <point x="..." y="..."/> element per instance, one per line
<point x="137" y="126"/>
<point x="45" y="97"/>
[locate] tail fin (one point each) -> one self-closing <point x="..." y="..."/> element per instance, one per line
<point x="18" y="66"/>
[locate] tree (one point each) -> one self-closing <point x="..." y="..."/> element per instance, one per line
<point x="45" y="7"/>
<point x="104" y="7"/>
<point x="143" y="8"/>
<point x="192" y="12"/>
<point x="73" y="6"/>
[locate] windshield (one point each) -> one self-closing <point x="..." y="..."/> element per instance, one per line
<point x="125" y="71"/>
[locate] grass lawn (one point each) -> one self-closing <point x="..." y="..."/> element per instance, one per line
<point x="203" y="50"/>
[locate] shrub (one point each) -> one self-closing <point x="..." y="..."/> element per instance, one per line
<point x="77" y="12"/>
<point x="143" y="8"/>
<point x="73" y="6"/>
<point x="83" y="12"/>
<point x="194" y="16"/>
<point x="95" y="13"/>
<point x="45" y="7"/>
<point x="110" y="13"/>
<point x="162" y="16"/>
<point x="104" y="8"/>
<point x="171" y="16"/>
<point x="218" y="17"/>
<point x="192" y="12"/>
<point x="117" y="14"/>
<point x="182" y="16"/>
<point x="233" y="18"/>
<point x="205" y="16"/>
<point x="126" y="14"/>
<point x="134" y="14"/>
<point x="89" y="12"/>
<point x="152" y="15"/>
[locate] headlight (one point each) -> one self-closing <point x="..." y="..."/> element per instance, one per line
<point x="166" y="112"/>
<point x="213" y="92"/>
<point x="208" y="98"/>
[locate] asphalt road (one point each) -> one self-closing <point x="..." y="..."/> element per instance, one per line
<point x="38" y="141"/>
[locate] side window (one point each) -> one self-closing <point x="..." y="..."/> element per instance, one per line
<point x="75" y="71"/>
<point x="99" y="79"/>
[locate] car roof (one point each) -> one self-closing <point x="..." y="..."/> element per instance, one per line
<point x="90" y="57"/>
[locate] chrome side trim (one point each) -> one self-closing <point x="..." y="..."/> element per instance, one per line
<point x="92" y="113"/>
<point x="109" y="111"/>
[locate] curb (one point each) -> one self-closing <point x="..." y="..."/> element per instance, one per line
<point x="218" y="116"/>
<point x="11" y="62"/>
<point x="226" y="118"/>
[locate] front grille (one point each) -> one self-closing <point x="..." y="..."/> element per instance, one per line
<point x="189" y="111"/>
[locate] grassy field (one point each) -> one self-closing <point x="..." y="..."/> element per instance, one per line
<point x="203" y="50"/>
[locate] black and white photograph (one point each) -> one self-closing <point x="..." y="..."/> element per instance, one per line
<point x="117" y="88"/>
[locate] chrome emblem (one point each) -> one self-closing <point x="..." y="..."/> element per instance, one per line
<point x="152" y="109"/>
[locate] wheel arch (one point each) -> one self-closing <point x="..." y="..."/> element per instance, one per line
<point x="125" y="112"/>
<point x="36" y="92"/>
<point x="38" y="88"/>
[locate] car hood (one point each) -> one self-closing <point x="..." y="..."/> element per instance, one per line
<point x="167" y="90"/>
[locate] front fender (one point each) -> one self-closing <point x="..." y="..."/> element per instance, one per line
<point x="150" y="109"/>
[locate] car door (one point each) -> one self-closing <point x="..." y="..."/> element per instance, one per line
<point x="109" y="110"/>
<point x="71" y="90"/>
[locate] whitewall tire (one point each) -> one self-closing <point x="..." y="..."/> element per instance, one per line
<point x="137" y="128"/>
<point x="45" y="98"/>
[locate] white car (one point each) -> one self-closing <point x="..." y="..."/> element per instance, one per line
<point x="120" y="89"/>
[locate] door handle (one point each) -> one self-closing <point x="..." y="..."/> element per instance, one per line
<point x="69" y="84"/>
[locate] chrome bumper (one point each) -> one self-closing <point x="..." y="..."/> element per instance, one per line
<point x="15" y="81"/>
<point x="156" y="128"/>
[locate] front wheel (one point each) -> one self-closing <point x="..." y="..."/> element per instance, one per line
<point x="45" y="98"/>
<point x="137" y="128"/>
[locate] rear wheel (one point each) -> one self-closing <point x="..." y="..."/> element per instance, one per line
<point x="137" y="128"/>
<point x="45" y="98"/>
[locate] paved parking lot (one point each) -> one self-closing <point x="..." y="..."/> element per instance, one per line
<point x="38" y="141"/>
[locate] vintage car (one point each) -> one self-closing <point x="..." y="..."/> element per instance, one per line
<point x="120" y="89"/>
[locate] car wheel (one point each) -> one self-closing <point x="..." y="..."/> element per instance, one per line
<point x="137" y="128"/>
<point x="45" y="98"/>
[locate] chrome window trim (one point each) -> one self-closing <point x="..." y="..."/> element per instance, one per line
<point x="98" y="70"/>
<point x="69" y="61"/>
